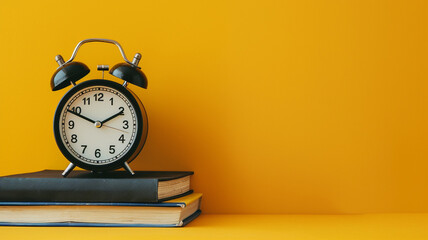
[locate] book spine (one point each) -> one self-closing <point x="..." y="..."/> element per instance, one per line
<point x="78" y="190"/>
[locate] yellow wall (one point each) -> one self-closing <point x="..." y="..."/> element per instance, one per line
<point x="278" y="106"/>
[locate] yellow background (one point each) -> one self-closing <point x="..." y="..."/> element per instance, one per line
<point x="278" y="106"/>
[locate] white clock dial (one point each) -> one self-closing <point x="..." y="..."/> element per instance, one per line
<point x="98" y="125"/>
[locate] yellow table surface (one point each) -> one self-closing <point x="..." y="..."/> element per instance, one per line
<point x="366" y="226"/>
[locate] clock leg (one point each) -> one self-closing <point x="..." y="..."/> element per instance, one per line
<point x="68" y="170"/>
<point x="128" y="169"/>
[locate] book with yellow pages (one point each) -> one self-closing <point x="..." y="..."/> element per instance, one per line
<point x="173" y="213"/>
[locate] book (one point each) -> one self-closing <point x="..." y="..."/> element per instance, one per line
<point x="172" y="213"/>
<point x="84" y="186"/>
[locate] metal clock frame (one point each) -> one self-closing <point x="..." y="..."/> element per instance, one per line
<point x="68" y="73"/>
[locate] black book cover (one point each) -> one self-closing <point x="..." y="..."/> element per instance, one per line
<point x="84" y="186"/>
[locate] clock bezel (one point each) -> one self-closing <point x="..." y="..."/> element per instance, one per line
<point x="141" y="133"/>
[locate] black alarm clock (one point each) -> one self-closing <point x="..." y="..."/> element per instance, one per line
<point x="99" y="125"/>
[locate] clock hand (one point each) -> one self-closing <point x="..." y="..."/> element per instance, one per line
<point x="115" y="128"/>
<point x="110" y="118"/>
<point x="77" y="114"/>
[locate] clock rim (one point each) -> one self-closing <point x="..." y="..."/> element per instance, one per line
<point x="141" y="134"/>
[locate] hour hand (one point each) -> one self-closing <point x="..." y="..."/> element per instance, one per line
<point x="110" y="118"/>
<point x="81" y="116"/>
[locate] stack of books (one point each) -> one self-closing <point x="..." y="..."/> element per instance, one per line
<point x="112" y="199"/>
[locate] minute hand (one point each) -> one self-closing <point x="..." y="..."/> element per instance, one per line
<point x="81" y="116"/>
<point x="110" y="118"/>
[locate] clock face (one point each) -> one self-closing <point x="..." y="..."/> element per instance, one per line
<point x="98" y="124"/>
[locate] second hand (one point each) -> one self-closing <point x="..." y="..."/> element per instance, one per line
<point x="115" y="128"/>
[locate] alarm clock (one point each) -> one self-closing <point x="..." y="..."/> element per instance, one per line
<point x="99" y="125"/>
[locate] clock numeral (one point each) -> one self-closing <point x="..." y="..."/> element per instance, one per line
<point x="70" y="124"/>
<point x="77" y="110"/>
<point x="97" y="153"/>
<point x="84" y="148"/>
<point x="112" y="150"/>
<point x="87" y="100"/>
<point x="122" y="138"/>
<point x="111" y="101"/>
<point x="121" y="109"/>
<point x="99" y="97"/>
<point x="74" y="138"/>
<point x="125" y="126"/>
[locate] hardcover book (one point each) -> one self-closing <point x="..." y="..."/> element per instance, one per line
<point x="172" y="213"/>
<point x="84" y="186"/>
